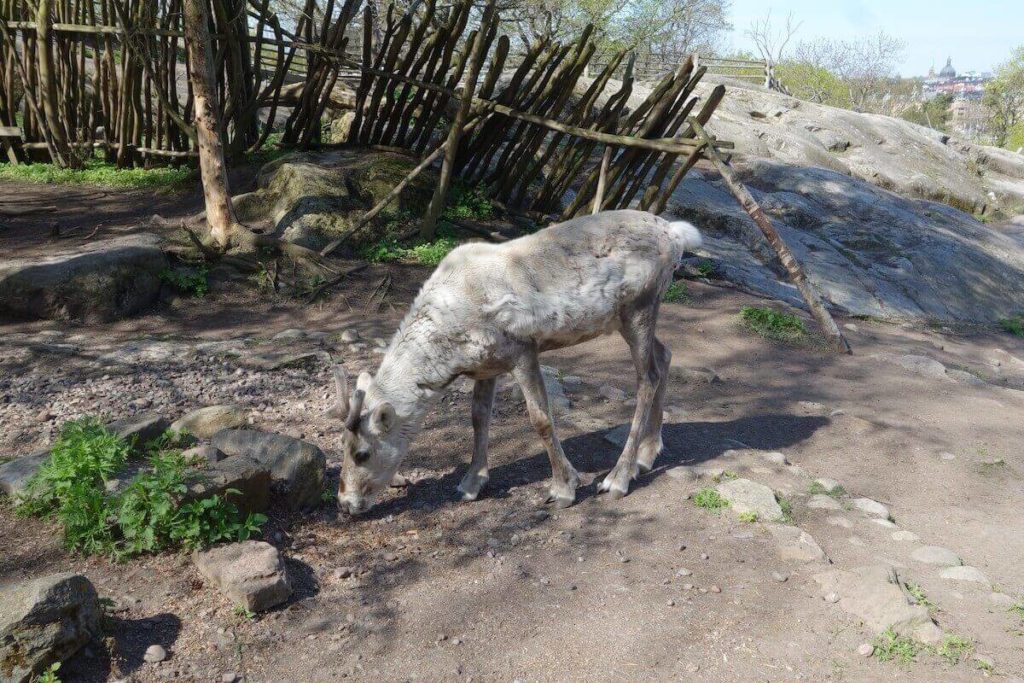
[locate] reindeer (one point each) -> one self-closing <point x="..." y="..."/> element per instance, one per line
<point x="490" y="309"/>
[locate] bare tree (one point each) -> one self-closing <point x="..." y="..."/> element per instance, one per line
<point x="771" y="41"/>
<point x="866" y="66"/>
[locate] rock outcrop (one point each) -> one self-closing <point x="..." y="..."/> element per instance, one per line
<point x="311" y="199"/>
<point x="98" y="282"/>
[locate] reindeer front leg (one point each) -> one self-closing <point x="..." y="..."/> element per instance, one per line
<point x="483" y="403"/>
<point x="564" y="478"/>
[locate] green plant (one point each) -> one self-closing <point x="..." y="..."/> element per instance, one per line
<point x="727" y="475"/>
<point x="953" y="648"/>
<point x="786" y="506"/>
<point x="818" y="489"/>
<point x="677" y="292"/>
<point x="101" y="173"/>
<point x="49" y="674"/>
<point x="426" y="253"/>
<point x="468" y="203"/>
<point x="984" y="665"/>
<point x="193" y="281"/>
<point x="1014" y="325"/>
<point x="771" y="324"/>
<point x="890" y="646"/>
<point x="243" y="613"/>
<point x="709" y="499"/>
<point x="920" y="597"/>
<point x="748" y="517"/>
<point x="145" y="517"/>
<point x="706" y="268"/>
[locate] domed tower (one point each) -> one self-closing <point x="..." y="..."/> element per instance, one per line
<point x="948" y="71"/>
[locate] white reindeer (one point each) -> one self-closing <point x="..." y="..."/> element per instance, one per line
<point x="489" y="309"/>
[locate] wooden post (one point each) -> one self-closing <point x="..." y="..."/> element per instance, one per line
<point x="455" y="134"/>
<point x="796" y="272"/>
<point x="220" y="215"/>
<point x="602" y="179"/>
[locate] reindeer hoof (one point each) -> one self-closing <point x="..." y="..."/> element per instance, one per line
<point x="470" y="487"/>
<point x="559" y="501"/>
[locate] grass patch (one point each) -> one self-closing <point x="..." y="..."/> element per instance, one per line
<point x="709" y="499"/>
<point x="100" y="173"/>
<point x="243" y="613"/>
<point x="465" y="202"/>
<point x="144" y="517"/>
<point x="920" y="597"/>
<point x="706" y="268"/>
<point x="193" y="281"/>
<point x="890" y="646"/>
<point x="1018" y="609"/>
<point x="774" y="325"/>
<point x="1014" y="325"/>
<point x="954" y="649"/>
<point x="748" y="517"/>
<point x="676" y="293"/>
<point x="727" y="475"/>
<point x="425" y="253"/>
<point x="817" y="489"/>
<point x="49" y="674"/>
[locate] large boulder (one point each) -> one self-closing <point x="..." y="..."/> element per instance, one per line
<point x="44" y="621"/>
<point x="251" y="573"/>
<point x="297" y="468"/>
<point x="249" y="477"/>
<point x="313" y="198"/>
<point x="867" y="250"/>
<point x="203" y="423"/>
<point x="100" y="281"/>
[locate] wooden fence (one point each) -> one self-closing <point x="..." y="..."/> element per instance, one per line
<point x="654" y="67"/>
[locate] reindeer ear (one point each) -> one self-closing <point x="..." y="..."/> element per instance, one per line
<point x="383" y="418"/>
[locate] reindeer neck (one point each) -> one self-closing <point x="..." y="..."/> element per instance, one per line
<point x="416" y="368"/>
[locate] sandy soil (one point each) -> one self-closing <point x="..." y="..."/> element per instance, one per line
<point x="427" y="588"/>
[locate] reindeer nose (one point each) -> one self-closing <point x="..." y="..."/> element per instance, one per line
<point x="352" y="507"/>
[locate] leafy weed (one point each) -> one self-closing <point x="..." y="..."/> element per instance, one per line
<point x="709" y="499"/>
<point x="773" y="325"/>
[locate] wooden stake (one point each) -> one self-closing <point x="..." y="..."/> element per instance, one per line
<point x="796" y="272"/>
<point x="476" y="59"/>
<point x="602" y="179"/>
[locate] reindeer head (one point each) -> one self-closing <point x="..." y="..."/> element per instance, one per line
<point x="373" y="442"/>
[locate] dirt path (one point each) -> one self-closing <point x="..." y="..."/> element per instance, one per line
<point x="648" y="588"/>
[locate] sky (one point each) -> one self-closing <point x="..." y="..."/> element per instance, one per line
<point x="977" y="34"/>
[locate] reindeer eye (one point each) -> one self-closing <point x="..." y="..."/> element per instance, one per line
<point x="360" y="457"/>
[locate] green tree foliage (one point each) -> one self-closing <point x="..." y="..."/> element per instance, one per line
<point x="935" y="113"/>
<point x="1004" y="97"/>
<point x="813" y="83"/>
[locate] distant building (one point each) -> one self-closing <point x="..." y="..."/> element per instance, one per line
<point x="966" y="86"/>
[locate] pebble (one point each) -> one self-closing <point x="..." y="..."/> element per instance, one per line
<point x="229" y="677"/>
<point x="904" y="535"/>
<point x="154" y="654"/>
<point x="687" y="586"/>
<point x="684" y="572"/>
<point x="693" y="667"/>
<point x="390" y="557"/>
<point x="671" y="603"/>
<point x="715" y="589"/>
<point x="866" y="650"/>
<point x="780" y="577"/>
<point x="705" y="556"/>
<point x="832" y="597"/>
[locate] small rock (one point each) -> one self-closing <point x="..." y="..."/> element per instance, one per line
<point x="831" y="598"/>
<point x="155" y="653"/>
<point x="203" y="453"/>
<point x="205" y="422"/>
<point x="866" y="650"/>
<point x="291" y="334"/>
<point x="780" y="577"/>
<point x="229" y="677"/>
<point x="671" y="603"/>
<point x="842" y="522"/>
<point x="705" y="556"/>
<point x="823" y="502"/>
<point x="349" y="336"/>
<point x="947" y="456"/>
<point x="871" y="507"/>
<point x="795" y="544"/>
<point x="617" y="436"/>
<point x="693" y="375"/>
<point x="884" y="523"/>
<point x="715" y="589"/>
<point x="904" y="535"/>
<point x="936" y="555"/>
<point x="612" y="393"/>
<point x="684" y="572"/>
<point x="746" y="496"/>
<point x="829" y="485"/>
<point x="693" y="667"/>
<point x="775" y="458"/>
<point x="965" y="573"/>
<point x="250" y="573"/>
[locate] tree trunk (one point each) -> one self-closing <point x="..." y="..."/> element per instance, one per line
<point x="48" y="81"/>
<point x="220" y="214"/>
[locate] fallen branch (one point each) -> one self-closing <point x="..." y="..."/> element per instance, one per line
<point x="793" y="268"/>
